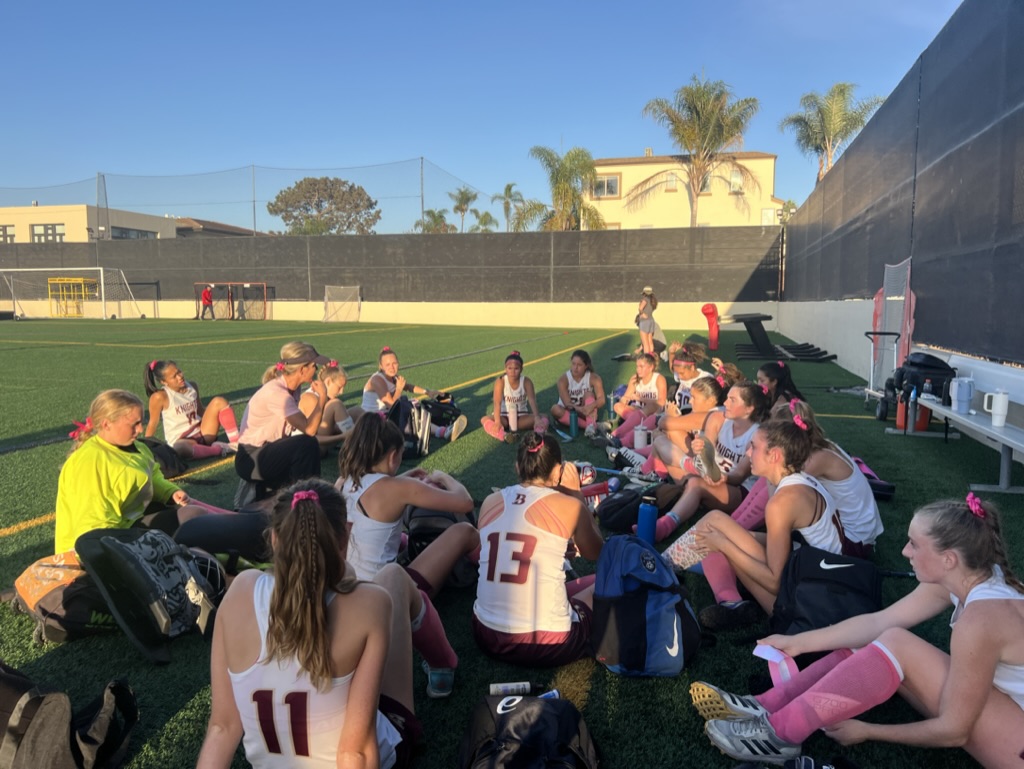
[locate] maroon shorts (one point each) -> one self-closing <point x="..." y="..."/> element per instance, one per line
<point x="858" y="549"/>
<point x="420" y="580"/>
<point x="539" y="650"/>
<point x="408" y="726"/>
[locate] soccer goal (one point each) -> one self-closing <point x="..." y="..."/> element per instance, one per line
<point x="68" y="292"/>
<point x="232" y="301"/>
<point x="342" y="304"/>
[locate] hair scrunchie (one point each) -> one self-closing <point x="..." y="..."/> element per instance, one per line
<point x="298" y="496"/>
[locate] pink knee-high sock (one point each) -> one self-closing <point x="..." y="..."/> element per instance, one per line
<point x="226" y="417"/>
<point x="624" y="431"/>
<point x="650" y="422"/>
<point x="782" y="694"/>
<point x="429" y="639"/>
<point x="540" y="425"/>
<point x="564" y="419"/>
<point x="721" y="577"/>
<point x="199" y="451"/>
<point x="574" y="586"/>
<point x="494" y="429"/>
<point x="865" y="679"/>
<point x="750" y="513"/>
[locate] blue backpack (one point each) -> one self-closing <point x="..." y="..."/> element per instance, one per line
<point x="643" y="622"/>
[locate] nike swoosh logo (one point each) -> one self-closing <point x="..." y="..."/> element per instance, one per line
<point x="673" y="650"/>
<point x="825" y="565"/>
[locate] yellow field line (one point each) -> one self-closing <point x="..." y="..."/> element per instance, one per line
<point x="538" y="360"/>
<point x="245" y="339"/>
<point x="30" y="524"/>
<point x="847" y="416"/>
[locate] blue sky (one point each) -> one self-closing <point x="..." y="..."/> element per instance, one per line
<point x="156" y="90"/>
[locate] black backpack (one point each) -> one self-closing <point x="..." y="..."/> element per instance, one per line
<point x="37" y="728"/>
<point x="522" y="732"/>
<point x="423" y="526"/>
<point x="618" y="512"/>
<point x="442" y="409"/>
<point x="171" y="465"/>
<point x="414" y="422"/>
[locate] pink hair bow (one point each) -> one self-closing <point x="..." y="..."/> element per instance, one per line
<point x="799" y="422"/>
<point x="298" y="496"/>
<point x="721" y="380"/>
<point x="152" y="365"/>
<point x="279" y="366"/>
<point x="332" y="364"/>
<point x="83" y="429"/>
<point x="764" y="389"/>
<point x="974" y="505"/>
<point x="781" y="364"/>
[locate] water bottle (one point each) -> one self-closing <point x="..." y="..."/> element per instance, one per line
<point x="647" y="519"/>
<point x="574" y="423"/>
<point x="515" y="687"/>
<point x="913" y="395"/>
<point x="554" y="694"/>
<point x="926" y="390"/>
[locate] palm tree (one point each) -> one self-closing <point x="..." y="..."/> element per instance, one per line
<point x="828" y="123"/>
<point x="570" y="177"/>
<point x="707" y="123"/>
<point x="485" y="221"/>
<point x="434" y="222"/>
<point x="510" y="199"/>
<point x="462" y="199"/>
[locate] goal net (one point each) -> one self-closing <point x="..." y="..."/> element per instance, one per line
<point x="232" y="301"/>
<point x="68" y="292"/>
<point x="893" y="314"/>
<point x="342" y="304"/>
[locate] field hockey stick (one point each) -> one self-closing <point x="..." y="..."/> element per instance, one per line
<point x="564" y="436"/>
<point x="610" y="471"/>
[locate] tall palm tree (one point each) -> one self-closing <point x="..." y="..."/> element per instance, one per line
<point x="434" y="222"/>
<point x="485" y="221"/>
<point x="570" y="177"/>
<point x="828" y="123"/>
<point x="509" y="199"/>
<point x="706" y="122"/>
<point x="462" y="199"/>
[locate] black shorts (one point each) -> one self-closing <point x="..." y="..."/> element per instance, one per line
<point x="164" y="518"/>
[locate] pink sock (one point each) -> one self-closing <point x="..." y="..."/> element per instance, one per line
<point x="576" y="585"/>
<point x="865" y="679"/>
<point x="199" y="451"/>
<point x="226" y="417"/>
<point x="750" y="513"/>
<point x="541" y="425"/>
<point x="782" y="694"/>
<point x="429" y="639"/>
<point x="624" y="432"/>
<point x="211" y="508"/>
<point x="493" y="429"/>
<point x="721" y="577"/>
<point x="664" y="527"/>
<point x="649" y="465"/>
<point x="564" y="419"/>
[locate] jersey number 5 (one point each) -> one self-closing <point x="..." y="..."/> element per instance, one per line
<point x="297" y="704"/>
<point x="522" y="546"/>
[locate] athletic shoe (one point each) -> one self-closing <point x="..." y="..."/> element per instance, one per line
<point x="225" y="448"/>
<point x="440" y="681"/>
<point x="591" y="431"/>
<point x="603" y="427"/>
<point x="714" y="703"/>
<point x="457" y="427"/>
<point x="752" y="739"/>
<point x="632" y="457"/>
<point x="636" y="474"/>
<point x="612" y="452"/>
<point x="511" y="436"/>
<point x="705" y="461"/>
<point x="731" y="615"/>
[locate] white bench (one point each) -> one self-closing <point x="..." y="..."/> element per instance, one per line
<point x="988" y="377"/>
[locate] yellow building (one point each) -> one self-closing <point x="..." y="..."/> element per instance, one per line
<point x="725" y="202"/>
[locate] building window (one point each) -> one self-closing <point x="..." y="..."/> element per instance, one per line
<point x="127" y="233"/>
<point x="612" y="226"/>
<point x="705" y="186"/>
<point x="607" y="186"/>
<point x="736" y="182"/>
<point x="47" y="233"/>
<point x="6" y="233"/>
<point x="671" y="183"/>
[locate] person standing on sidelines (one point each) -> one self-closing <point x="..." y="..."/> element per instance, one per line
<point x="206" y="299"/>
<point x="645" y="319"/>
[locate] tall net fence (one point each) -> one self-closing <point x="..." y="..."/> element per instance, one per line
<point x="239" y="196"/>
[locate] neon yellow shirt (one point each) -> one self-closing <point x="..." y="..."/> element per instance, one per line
<point x="103" y="486"/>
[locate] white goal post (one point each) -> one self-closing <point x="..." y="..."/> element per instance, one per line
<point x="68" y="292"/>
<point x="342" y="304"/>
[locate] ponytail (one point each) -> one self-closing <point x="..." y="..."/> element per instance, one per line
<point x="371" y="439"/>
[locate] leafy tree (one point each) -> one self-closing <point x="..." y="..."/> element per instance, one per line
<point x="485" y="221"/>
<point x="462" y="199"/>
<point x="570" y="176"/>
<point x="435" y="222"/>
<point x="827" y="123"/>
<point x="325" y="206"/>
<point x="510" y="199"/>
<point x="706" y="122"/>
<point x="788" y="209"/>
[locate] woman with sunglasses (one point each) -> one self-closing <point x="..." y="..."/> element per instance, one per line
<point x="189" y="427"/>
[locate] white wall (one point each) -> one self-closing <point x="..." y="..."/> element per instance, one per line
<point x="834" y="326"/>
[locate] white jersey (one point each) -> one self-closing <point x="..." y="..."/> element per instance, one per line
<point x="729" y="448"/>
<point x="371" y="544"/>
<point x="855" y="502"/>
<point x="371" y="401"/>
<point x="181" y="417"/>
<point x="1008" y="678"/>
<point x="646" y="393"/>
<point x="578" y="391"/>
<point x="514" y="399"/>
<point x="522" y="569"/>
<point x="824" y="533"/>
<point x="286" y="721"/>
<point x="682" y="398"/>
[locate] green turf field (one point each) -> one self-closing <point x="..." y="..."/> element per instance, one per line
<point x="52" y="369"/>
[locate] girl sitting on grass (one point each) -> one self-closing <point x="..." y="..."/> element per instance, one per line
<point x="778" y="378"/>
<point x="515" y="403"/>
<point x="337" y="421"/>
<point x="972" y="697"/>
<point x="644" y="399"/>
<point x="580" y="389"/>
<point x="189" y="427"/>
<point x="310" y="666"/>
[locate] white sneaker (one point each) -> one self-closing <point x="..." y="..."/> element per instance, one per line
<point x="457" y="427"/>
<point x="226" y="448"/>
<point x="591" y="431"/>
<point x="636" y="474"/>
